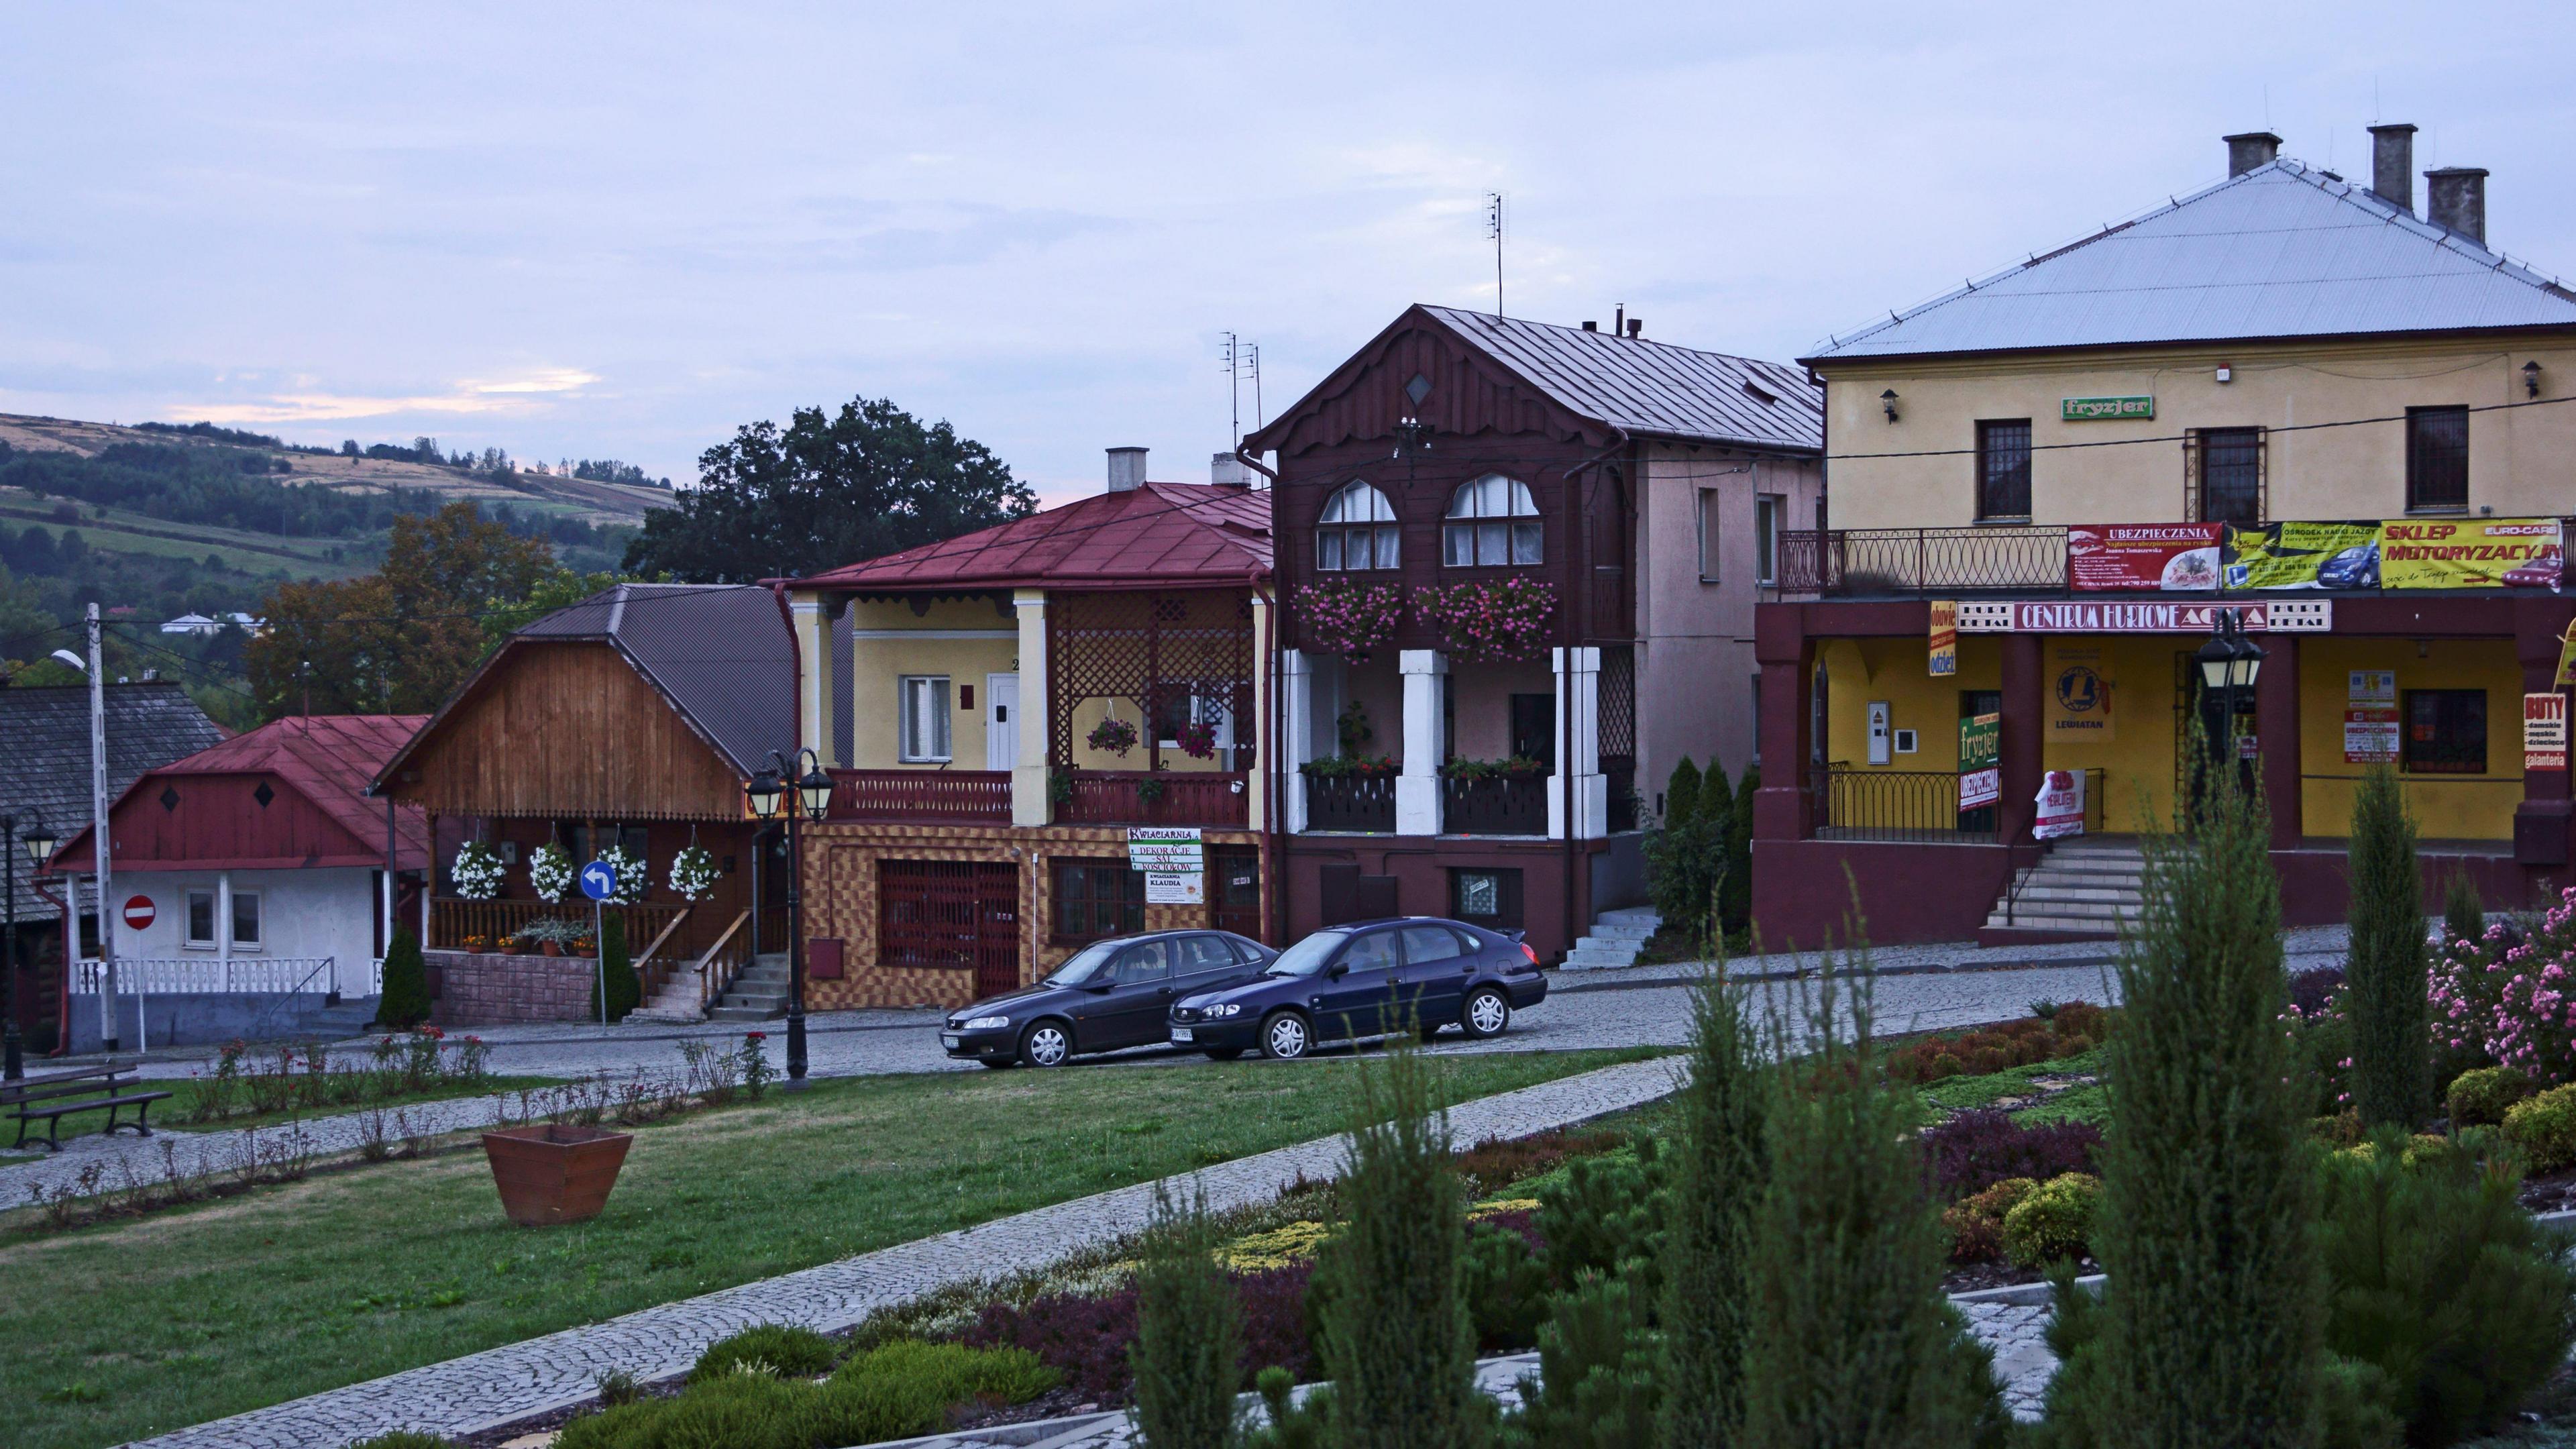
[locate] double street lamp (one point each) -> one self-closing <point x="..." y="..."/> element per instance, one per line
<point x="768" y="795"/>
<point x="2230" y="661"/>
<point x="39" y="841"/>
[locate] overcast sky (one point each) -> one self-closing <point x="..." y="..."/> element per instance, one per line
<point x="622" y="230"/>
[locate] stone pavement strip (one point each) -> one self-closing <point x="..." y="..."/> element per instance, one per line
<point x="478" y="1390"/>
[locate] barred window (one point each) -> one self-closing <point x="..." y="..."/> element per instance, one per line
<point x="1096" y="898"/>
<point x="2003" y="468"/>
<point x="2437" y="459"/>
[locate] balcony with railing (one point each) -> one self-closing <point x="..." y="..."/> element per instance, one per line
<point x="941" y="796"/>
<point x="1154" y="797"/>
<point x="1493" y="805"/>
<point x="1350" y="802"/>
<point x="1942" y="561"/>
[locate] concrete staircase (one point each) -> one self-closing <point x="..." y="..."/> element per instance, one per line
<point x="676" y="1002"/>
<point x="758" y="994"/>
<point x="2085" y="887"/>
<point x="338" y="1023"/>
<point x="1616" y="938"/>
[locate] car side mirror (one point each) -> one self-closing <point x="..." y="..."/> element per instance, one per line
<point x="1098" y="987"/>
<point x="1337" y="971"/>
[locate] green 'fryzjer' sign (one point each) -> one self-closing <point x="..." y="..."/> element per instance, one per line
<point x="1980" y="741"/>
<point x="2104" y="409"/>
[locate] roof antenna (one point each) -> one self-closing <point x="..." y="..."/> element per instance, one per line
<point x="1253" y="356"/>
<point x="1234" y="384"/>
<point x="1494" y="229"/>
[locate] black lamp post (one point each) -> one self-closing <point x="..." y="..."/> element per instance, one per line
<point x="40" y="843"/>
<point x="768" y="794"/>
<point x="2230" y="661"/>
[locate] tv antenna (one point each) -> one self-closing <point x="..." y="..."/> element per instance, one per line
<point x="1494" y="229"/>
<point x="1242" y="360"/>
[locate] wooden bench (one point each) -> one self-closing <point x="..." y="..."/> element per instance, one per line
<point x="49" y="1099"/>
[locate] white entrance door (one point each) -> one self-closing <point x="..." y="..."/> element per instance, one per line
<point x="1001" y="721"/>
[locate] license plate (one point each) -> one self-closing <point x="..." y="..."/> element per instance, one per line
<point x="948" y="1039"/>
<point x="1182" y="1033"/>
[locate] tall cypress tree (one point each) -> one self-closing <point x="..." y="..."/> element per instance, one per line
<point x="1189" y="1335"/>
<point x="2385" y="976"/>
<point x="622" y="992"/>
<point x="405" y="1001"/>
<point x="2211" y="1332"/>
<point x="1735" y="893"/>
<point x="1719" y="1169"/>
<point x="1681" y="794"/>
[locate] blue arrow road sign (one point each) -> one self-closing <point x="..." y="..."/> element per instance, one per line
<point x="599" y="880"/>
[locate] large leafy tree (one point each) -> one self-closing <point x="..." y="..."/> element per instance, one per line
<point x="824" y="491"/>
<point x="400" y="640"/>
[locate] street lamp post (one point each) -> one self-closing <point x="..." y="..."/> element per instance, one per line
<point x="40" y="847"/>
<point x="768" y="794"/>
<point x="2230" y="661"/>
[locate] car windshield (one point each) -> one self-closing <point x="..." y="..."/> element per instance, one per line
<point x="1088" y="964"/>
<point x="1308" y="956"/>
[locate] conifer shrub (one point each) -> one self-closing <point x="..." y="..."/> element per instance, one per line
<point x="1686" y="852"/>
<point x="1605" y="1214"/>
<point x="1506" y="1285"/>
<point x="779" y="1350"/>
<point x="617" y="968"/>
<point x="2387" y="972"/>
<point x="2544" y="1127"/>
<point x="1719" y="1163"/>
<point x="1735" y="888"/>
<point x="1599" y="1384"/>
<point x="2211" y="1321"/>
<point x="2481" y="1097"/>
<point x="2053" y="1220"/>
<point x="405" y="1001"/>
<point x="1188" y="1345"/>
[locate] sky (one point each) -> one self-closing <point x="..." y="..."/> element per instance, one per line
<point x="624" y="230"/>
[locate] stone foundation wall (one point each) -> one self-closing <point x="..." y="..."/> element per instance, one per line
<point x="482" y="989"/>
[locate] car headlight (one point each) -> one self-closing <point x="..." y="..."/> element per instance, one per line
<point x="1228" y="1008"/>
<point x="984" y="1023"/>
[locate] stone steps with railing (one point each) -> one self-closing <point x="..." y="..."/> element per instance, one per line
<point x="759" y="993"/>
<point x="1615" y="939"/>
<point x="2081" y="887"/>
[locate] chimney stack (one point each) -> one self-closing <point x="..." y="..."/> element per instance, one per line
<point x="2455" y="199"/>
<point x="2250" y="149"/>
<point x="2392" y="165"/>
<point x="1227" y="471"/>
<point x="1126" y="469"/>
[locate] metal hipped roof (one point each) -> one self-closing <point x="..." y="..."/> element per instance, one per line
<point x="45" y="770"/>
<point x="721" y="653"/>
<point x="1653" y="388"/>
<point x="2280" y="251"/>
<point x="328" y="759"/>
<point x="1177" y="535"/>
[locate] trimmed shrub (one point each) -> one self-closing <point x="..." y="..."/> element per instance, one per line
<point x="2544" y="1127"/>
<point x="1974" y="1151"/>
<point x="2052" y="1221"/>
<point x="2480" y="1098"/>
<point x="1681" y="794"/>
<point x="617" y="967"/>
<point x="1506" y="1285"/>
<point x="1976" y="1223"/>
<point x="951" y="1373"/>
<point x="779" y="1350"/>
<point x="897" y="1390"/>
<point x="1086" y="1338"/>
<point x="1597" y="1386"/>
<point x="2067" y="1030"/>
<point x="405" y="1002"/>
<point x="1719" y="1164"/>
<point x="2386" y="973"/>
<point x="1187" y="1354"/>
<point x="1686" y="852"/>
<point x="2312" y="990"/>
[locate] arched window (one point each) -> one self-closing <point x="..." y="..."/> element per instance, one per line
<point x="1492" y="521"/>
<point x="1357" y="530"/>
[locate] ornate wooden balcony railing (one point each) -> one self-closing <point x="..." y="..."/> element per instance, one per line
<point x="926" y="795"/>
<point x="1493" y="806"/>
<point x="1351" y="802"/>
<point x="1121" y="797"/>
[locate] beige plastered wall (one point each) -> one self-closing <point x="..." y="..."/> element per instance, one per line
<point x="960" y="639"/>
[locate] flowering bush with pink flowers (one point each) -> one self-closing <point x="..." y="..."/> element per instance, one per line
<point x="2509" y="997"/>
<point x="1338" y="616"/>
<point x="1490" y="621"/>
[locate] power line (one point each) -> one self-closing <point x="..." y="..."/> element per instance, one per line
<point x="2186" y="437"/>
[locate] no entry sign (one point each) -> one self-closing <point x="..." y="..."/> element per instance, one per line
<point x="138" y="912"/>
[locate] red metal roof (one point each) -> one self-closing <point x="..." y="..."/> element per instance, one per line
<point x="1174" y="534"/>
<point x="327" y="759"/>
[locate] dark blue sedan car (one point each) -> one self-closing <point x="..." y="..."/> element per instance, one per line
<point x="1368" y="978"/>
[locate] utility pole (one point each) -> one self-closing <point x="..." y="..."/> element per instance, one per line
<point x="100" y="852"/>
<point x="1494" y="229"/>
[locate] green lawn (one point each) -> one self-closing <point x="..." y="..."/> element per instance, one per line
<point x="129" y="1329"/>
<point x="2019" y="1084"/>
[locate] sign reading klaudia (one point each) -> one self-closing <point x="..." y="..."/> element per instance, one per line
<point x="2174" y="557"/>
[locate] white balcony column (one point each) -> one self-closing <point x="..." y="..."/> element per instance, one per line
<point x="816" y="722"/>
<point x="1578" y="731"/>
<point x="1030" y="776"/>
<point x="1297" y="731"/>
<point x="223" y="923"/>
<point x="1417" y="789"/>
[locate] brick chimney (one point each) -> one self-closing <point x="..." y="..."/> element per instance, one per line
<point x="2392" y="165"/>
<point x="1227" y="471"/>
<point x="2250" y="149"/>
<point x="1126" y="469"/>
<point x="2455" y="199"/>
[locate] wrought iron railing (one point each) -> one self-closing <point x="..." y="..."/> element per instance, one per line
<point x="946" y="795"/>
<point x="1901" y="805"/>
<point x="1123" y="797"/>
<point x="1922" y="560"/>
<point x="1493" y="806"/>
<point x="1351" y="802"/>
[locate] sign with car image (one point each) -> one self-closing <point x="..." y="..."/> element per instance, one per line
<point x="2303" y="556"/>
<point x="2170" y="557"/>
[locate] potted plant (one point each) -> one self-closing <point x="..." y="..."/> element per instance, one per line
<point x="551" y="935"/>
<point x="1490" y="621"/>
<point x="633" y="880"/>
<point x="553" y="1173"/>
<point x="1338" y="616"/>
<point x="1112" y="736"/>
<point x="1197" y="739"/>
<point x="1150" y="789"/>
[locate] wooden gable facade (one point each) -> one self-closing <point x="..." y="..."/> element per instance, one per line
<point x="248" y="821"/>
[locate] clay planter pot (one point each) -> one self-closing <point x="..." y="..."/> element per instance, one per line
<point x="554" y="1174"/>
<point x="551" y="948"/>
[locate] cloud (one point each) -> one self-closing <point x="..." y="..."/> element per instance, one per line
<point x="520" y="394"/>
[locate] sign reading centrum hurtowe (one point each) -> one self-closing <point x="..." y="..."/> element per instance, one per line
<point x="2082" y="617"/>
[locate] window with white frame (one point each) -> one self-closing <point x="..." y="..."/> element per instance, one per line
<point x="245" y="919"/>
<point x="1492" y="522"/>
<point x="201" y="919"/>
<point x="1708" y="535"/>
<point x="1766" y="538"/>
<point x="204" y="913"/>
<point x="924" y="736"/>
<point x="1358" y="530"/>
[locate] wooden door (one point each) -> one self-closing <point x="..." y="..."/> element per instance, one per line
<point x="997" y="929"/>
<point x="1234" y="892"/>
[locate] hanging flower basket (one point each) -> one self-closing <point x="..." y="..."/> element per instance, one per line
<point x="1198" y="740"/>
<point x="1112" y="736"/>
<point x="477" y="871"/>
<point x="1338" y="616"/>
<point x="632" y="878"/>
<point x="549" y="871"/>
<point x="693" y="873"/>
<point x="1490" y="621"/>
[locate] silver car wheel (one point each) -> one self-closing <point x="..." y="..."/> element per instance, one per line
<point x="1285" y="1037"/>
<point x="1046" y="1045"/>
<point x="1488" y="1013"/>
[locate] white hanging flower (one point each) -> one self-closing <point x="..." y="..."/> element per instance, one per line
<point x="693" y="873"/>
<point x="632" y="881"/>
<point x="549" y="871"/>
<point x="477" y="871"/>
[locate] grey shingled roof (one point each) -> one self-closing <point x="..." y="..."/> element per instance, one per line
<point x="1651" y="388"/>
<point x="45" y="768"/>
<point x="2281" y="251"/>
<point x="721" y="653"/>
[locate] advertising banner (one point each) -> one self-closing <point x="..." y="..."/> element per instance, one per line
<point x="2303" y="556"/>
<point x="2567" y="658"/>
<point x="2544" y="731"/>
<point x="1980" y="757"/>
<point x="1945" y="637"/>
<point x="2173" y="557"/>
<point x="1175" y="848"/>
<point x="2370" y="735"/>
<point x="2103" y="616"/>
<point x="1175" y="888"/>
<point x="2079" y="697"/>
<point x="2470" y="553"/>
<point x="2061" y="805"/>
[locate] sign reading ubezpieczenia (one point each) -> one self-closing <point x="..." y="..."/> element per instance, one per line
<point x="1170" y="848"/>
<point x="2171" y="557"/>
<point x="2061" y="805"/>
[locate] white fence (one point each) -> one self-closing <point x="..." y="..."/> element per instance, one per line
<point x="204" y="975"/>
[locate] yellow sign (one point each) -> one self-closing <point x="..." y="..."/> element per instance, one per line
<point x="1945" y="637"/>
<point x="2567" y="659"/>
<point x="2079" y="698"/>
<point x="2468" y="553"/>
